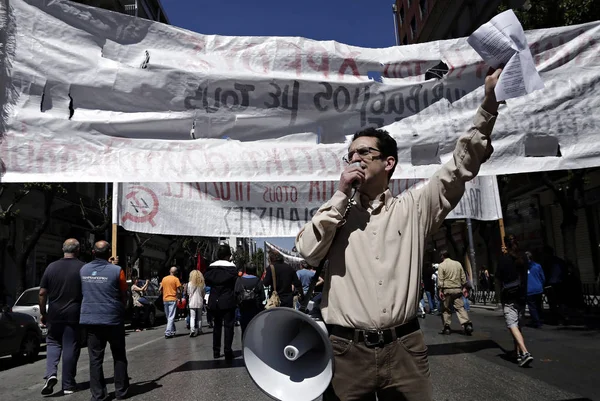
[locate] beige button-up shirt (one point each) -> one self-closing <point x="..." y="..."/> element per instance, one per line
<point x="451" y="275"/>
<point x="375" y="260"/>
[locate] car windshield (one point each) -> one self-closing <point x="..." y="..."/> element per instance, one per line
<point x="29" y="298"/>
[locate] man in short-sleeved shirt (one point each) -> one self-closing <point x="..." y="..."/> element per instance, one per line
<point x="169" y="286"/>
<point x="60" y="288"/>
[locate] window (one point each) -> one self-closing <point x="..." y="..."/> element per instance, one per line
<point x="29" y="298"/>
<point x="413" y="27"/>
<point x="423" y="8"/>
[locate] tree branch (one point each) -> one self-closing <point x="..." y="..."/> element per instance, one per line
<point x="95" y="228"/>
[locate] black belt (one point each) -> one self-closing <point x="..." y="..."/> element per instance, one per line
<point x="374" y="337"/>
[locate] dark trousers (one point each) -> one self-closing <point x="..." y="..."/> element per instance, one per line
<point x="534" y="303"/>
<point x="140" y="316"/>
<point x="63" y="338"/>
<point x="246" y="315"/>
<point x="97" y="338"/>
<point x="394" y="372"/>
<point x="209" y="317"/>
<point x="224" y="319"/>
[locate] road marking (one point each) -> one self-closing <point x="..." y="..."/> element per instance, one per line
<point x="144" y="344"/>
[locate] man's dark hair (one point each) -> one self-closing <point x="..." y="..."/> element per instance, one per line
<point x="445" y="254"/>
<point x="385" y="143"/>
<point x="224" y="252"/>
<point x="275" y="257"/>
<point x="251" y="269"/>
<point x="102" y="250"/>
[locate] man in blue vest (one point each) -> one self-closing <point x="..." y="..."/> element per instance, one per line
<point x="104" y="289"/>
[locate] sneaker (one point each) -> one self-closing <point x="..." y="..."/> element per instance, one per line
<point x="526" y="359"/>
<point x="446" y="331"/>
<point x="229" y="356"/>
<point x="192" y="334"/>
<point x="124" y="395"/>
<point x="468" y="328"/>
<point x="216" y="354"/>
<point x="519" y="358"/>
<point x="67" y="392"/>
<point x="49" y="385"/>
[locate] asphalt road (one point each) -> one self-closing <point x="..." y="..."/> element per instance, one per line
<point x="463" y="368"/>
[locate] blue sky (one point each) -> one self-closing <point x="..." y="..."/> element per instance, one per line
<point x="357" y="23"/>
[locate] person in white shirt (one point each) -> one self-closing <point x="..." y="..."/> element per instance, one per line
<point x="196" y="291"/>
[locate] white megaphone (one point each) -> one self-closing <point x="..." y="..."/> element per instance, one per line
<point x="288" y="354"/>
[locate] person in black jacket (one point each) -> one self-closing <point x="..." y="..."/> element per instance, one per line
<point x="285" y="277"/>
<point x="221" y="276"/>
<point x="512" y="273"/>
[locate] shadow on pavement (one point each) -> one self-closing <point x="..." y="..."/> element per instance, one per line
<point x="208" y="364"/>
<point x="137" y="388"/>
<point x="577" y="399"/>
<point x="465" y="347"/>
<point x="7" y="363"/>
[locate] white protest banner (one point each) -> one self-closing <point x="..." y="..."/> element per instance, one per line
<point x="259" y="209"/>
<point x="96" y="96"/>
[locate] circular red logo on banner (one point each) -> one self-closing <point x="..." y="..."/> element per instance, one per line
<point x="142" y="205"/>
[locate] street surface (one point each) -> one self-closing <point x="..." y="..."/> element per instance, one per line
<point x="462" y="368"/>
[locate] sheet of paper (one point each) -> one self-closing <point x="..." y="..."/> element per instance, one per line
<point x="502" y="42"/>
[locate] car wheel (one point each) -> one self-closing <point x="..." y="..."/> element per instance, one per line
<point x="30" y="348"/>
<point x="152" y="318"/>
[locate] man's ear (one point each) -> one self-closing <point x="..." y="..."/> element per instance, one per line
<point x="390" y="162"/>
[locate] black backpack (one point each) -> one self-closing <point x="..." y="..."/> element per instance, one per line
<point x="248" y="295"/>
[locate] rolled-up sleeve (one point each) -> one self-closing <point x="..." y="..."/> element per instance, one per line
<point x="315" y="238"/>
<point x="444" y="190"/>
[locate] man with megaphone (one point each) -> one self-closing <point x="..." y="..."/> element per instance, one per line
<point x="374" y="243"/>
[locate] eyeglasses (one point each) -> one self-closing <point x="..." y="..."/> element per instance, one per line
<point x="362" y="153"/>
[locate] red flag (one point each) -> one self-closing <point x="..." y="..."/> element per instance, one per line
<point x="201" y="264"/>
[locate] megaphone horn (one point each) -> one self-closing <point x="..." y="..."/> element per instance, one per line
<point x="288" y="354"/>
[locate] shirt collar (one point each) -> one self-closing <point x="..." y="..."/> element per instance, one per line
<point x="385" y="198"/>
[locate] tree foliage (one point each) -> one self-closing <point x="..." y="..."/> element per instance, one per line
<point x="540" y="14"/>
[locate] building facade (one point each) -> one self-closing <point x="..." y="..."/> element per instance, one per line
<point x="147" y="9"/>
<point x="419" y="21"/>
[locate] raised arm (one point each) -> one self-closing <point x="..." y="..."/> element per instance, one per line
<point x="444" y="190"/>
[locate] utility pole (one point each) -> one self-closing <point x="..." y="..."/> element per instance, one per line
<point x="395" y="14"/>
<point x="472" y="254"/>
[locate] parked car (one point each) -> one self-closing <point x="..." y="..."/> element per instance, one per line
<point x="157" y="309"/>
<point x="20" y="335"/>
<point x="29" y="304"/>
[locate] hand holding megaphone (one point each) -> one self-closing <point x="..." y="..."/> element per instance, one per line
<point x="352" y="177"/>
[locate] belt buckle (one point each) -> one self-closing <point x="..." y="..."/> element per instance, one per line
<point x="377" y="335"/>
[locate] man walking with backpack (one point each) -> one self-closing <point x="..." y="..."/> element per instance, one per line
<point x="250" y="294"/>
